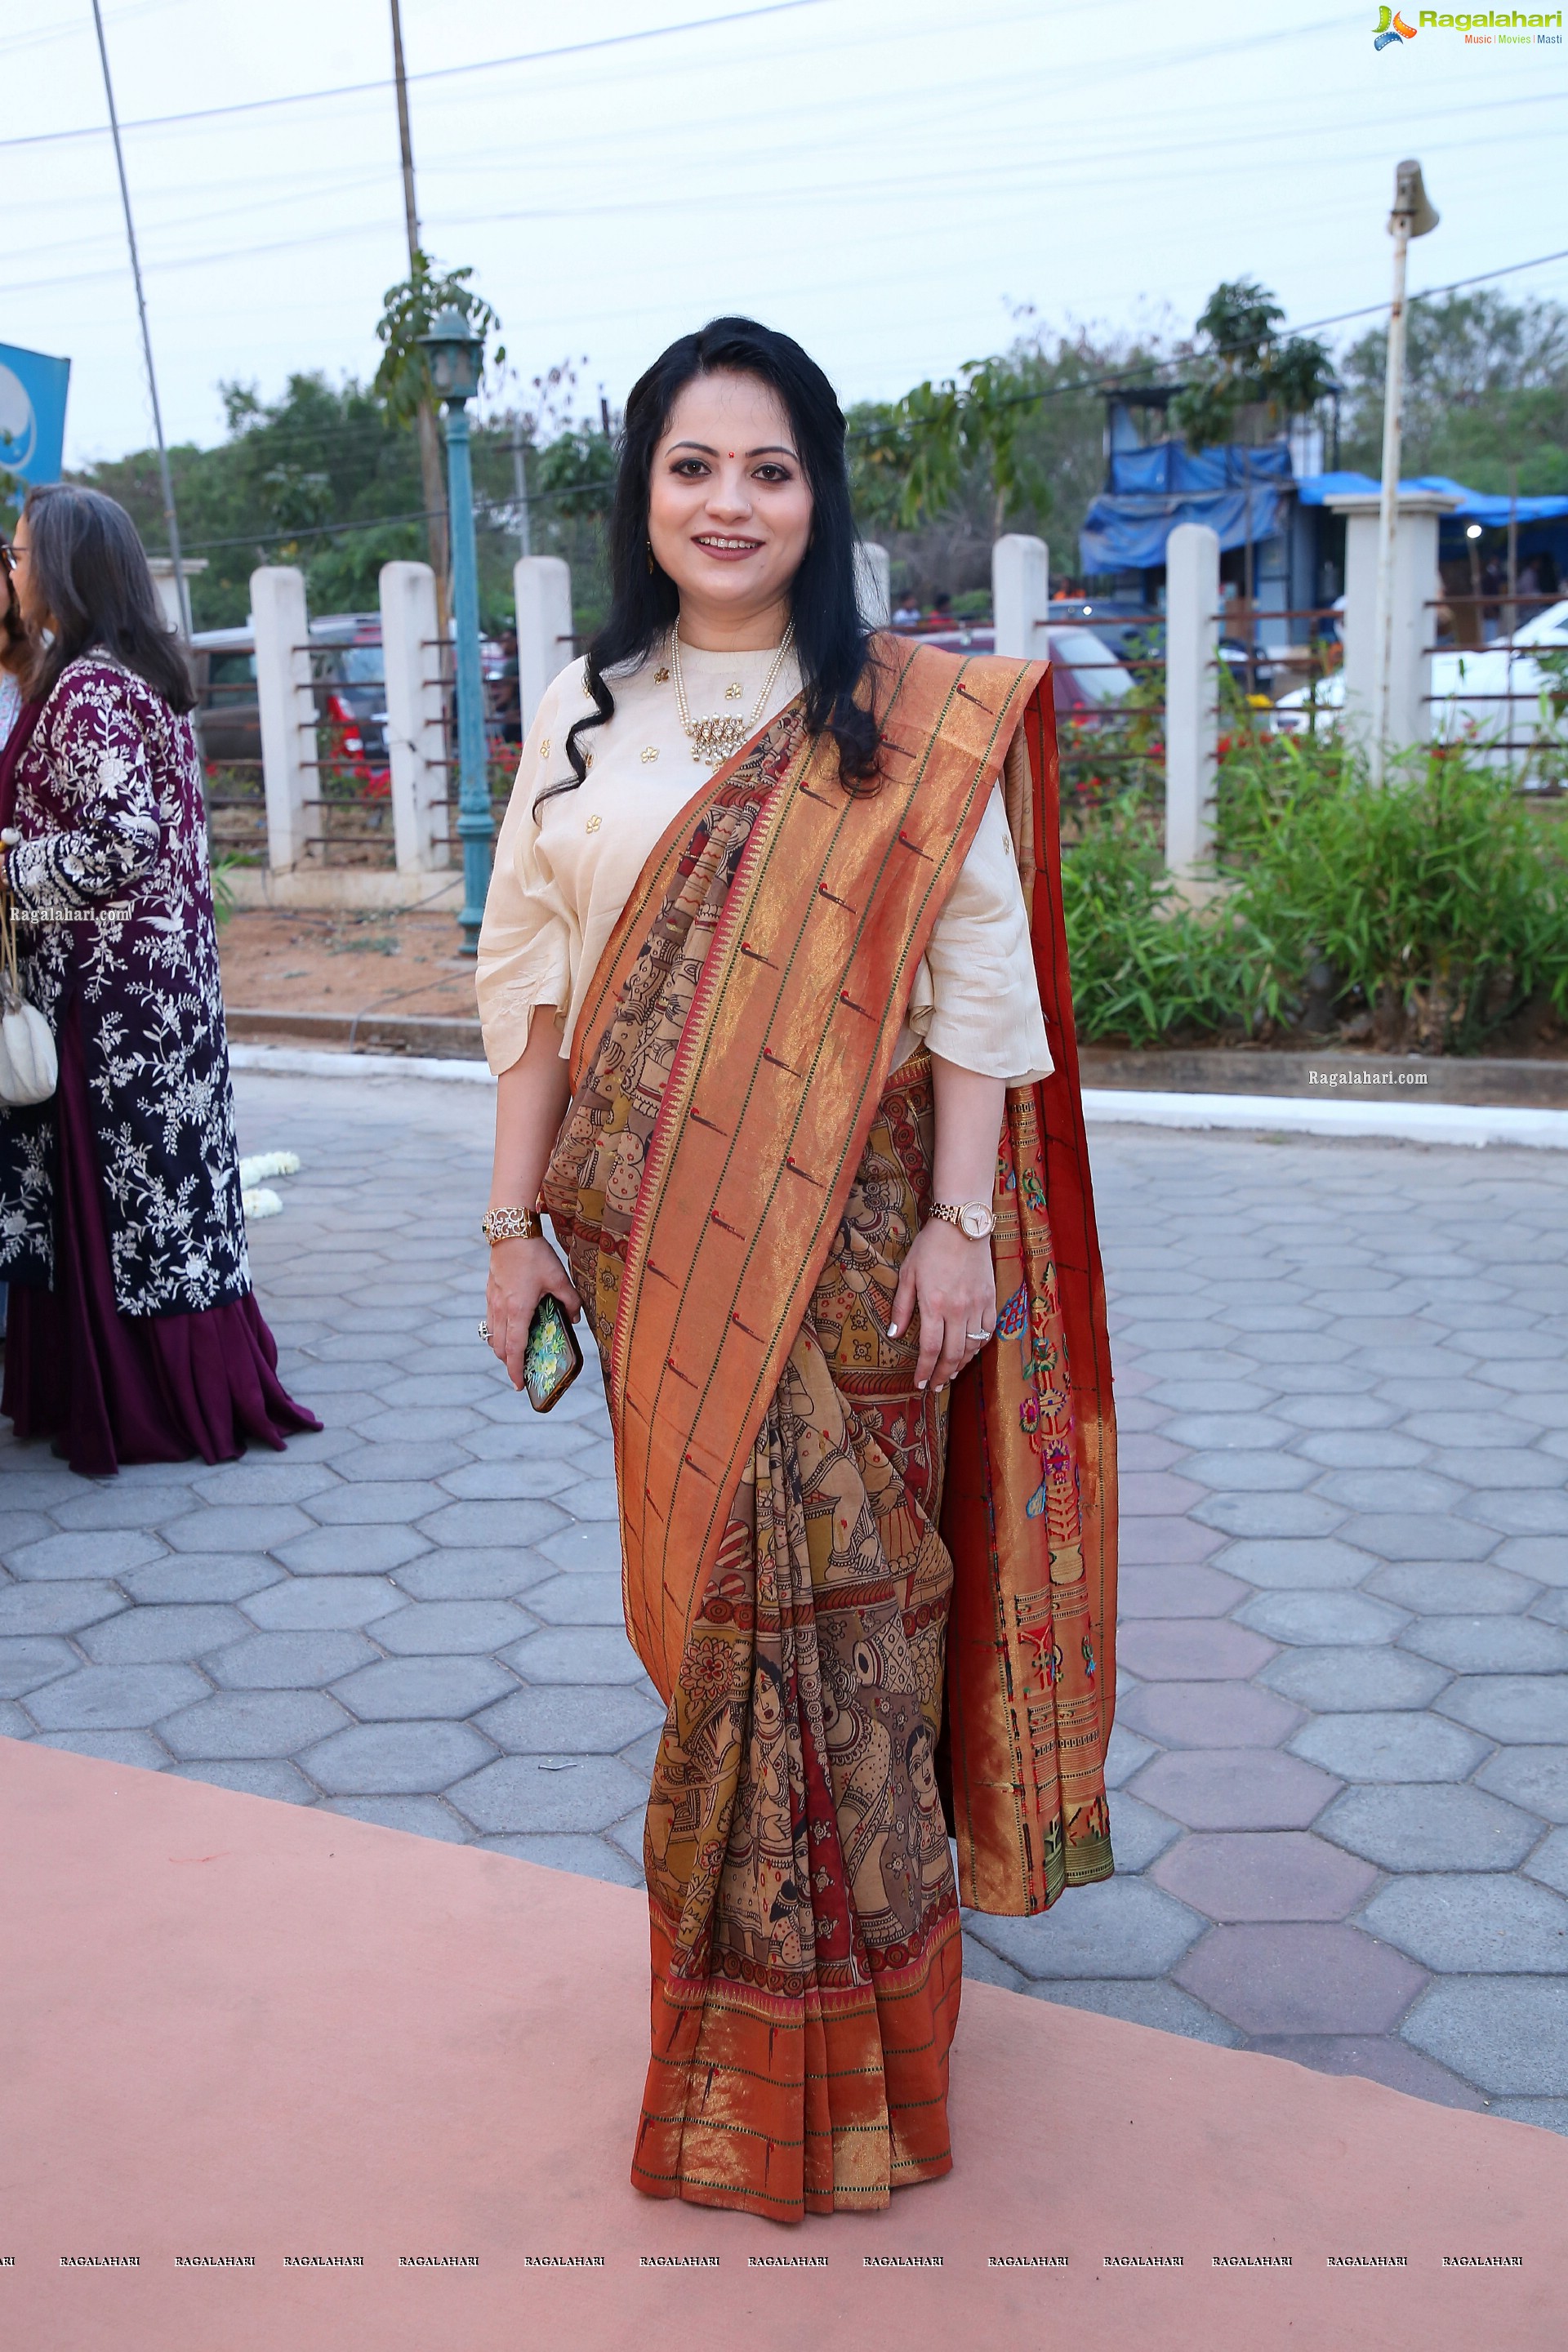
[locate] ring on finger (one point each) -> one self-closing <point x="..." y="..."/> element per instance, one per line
<point x="484" y="1327"/>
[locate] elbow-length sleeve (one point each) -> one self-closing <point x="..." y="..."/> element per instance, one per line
<point x="103" y="781"/>
<point x="976" y="999"/>
<point x="530" y="941"/>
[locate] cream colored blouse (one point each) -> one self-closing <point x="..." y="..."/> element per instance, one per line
<point x="561" y="879"/>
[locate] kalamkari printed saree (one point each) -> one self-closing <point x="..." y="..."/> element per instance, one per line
<point x="855" y="1600"/>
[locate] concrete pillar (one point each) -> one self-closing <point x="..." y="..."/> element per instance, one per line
<point x="873" y="584"/>
<point x="161" y="567"/>
<point x="1020" y="593"/>
<point x="542" y="587"/>
<point x="1415" y="584"/>
<point x="1191" y="696"/>
<point x="416" y="736"/>
<point x="288" y="749"/>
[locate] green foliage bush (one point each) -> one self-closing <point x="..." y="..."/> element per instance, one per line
<point x="1428" y="909"/>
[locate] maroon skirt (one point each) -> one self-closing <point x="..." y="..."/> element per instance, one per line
<point x="111" y="1388"/>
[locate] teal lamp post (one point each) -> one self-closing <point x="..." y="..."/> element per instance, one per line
<point x="456" y="363"/>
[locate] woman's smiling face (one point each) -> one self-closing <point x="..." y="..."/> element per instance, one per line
<point x="729" y="506"/>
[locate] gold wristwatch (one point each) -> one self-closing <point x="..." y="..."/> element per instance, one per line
<point x="972" y="1218"/>
<point x="510" y="1225"/>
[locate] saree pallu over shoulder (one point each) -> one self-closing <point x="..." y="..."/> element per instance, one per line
<point x="738" y="1179"/>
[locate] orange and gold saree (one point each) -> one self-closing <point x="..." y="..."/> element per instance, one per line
<point x="815" y="1551"/>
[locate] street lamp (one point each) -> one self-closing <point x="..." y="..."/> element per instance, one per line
<point x="1413" y="215"/>
<point x="456" y="362"/>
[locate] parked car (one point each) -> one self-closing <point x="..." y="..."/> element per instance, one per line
<point x="1469" y="690"/>
<point x="347" y="663"/>
<point x="1087" y="674"/>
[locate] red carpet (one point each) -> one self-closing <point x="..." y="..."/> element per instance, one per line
<point x="244" y="2029"/>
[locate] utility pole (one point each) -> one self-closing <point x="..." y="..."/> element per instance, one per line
<point x="171" y="520"/>
<point x="1413" y="215"/>
<point x="519" y="483"/>
<point x="431" y="473"/>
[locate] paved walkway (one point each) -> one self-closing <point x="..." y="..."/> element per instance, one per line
<point x="1342" y="1755"/>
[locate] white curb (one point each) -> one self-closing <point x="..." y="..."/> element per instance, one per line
<point x="1406" y="1122"/>
<point x="1465" y="1123"/>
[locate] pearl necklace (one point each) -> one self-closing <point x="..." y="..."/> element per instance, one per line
<point x="720" y="735"/>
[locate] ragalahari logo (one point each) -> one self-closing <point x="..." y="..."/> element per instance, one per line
<point x="1392" y="29"/>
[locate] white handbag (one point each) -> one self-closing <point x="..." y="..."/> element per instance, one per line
<point x="28" y="1064"/>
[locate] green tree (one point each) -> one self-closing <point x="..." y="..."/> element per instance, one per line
<point x="1486" y="390"/>
<point x="408" y="311"/>
<point x="1240" y="361"/>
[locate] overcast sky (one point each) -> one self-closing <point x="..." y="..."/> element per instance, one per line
<point x="888" y="179"/>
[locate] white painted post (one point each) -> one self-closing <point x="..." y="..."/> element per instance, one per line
<point x="416" y="739"/>
<point x="1020" y="595"/>
<point x="1413" y="584"/>
<point x="1192" y="697"/>
<point x="874" y="583"/>
<point x="543" y="587"/>
<point x="287" y="709"/>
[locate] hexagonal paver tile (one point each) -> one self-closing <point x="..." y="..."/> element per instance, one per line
<point x="1264" y="1875"/>
<point x="1176" y="1592"/>
<point x="1143" y="1543"/>
<point x="1380" y="2057"/>
<point x="406" y="1689"/>
<point x="1489" y="1645"/>
<point x="1436" y="1587"/>
<point x="202" y="1576"/>
<point x="1300" y="1978"/>
<point x="262" y="1478"/>
<point x="590" y="1857"/>
<point x="1534" y="1778"/>
<point x="1275" y="1516"/>
<point x="572" y="1719"/>
<point x="351" y="1551"/>
<point x="1235" y="1789"/>
<point x="1548" y="1863"/>
<point x="1363" y="1449"/>
<point x="595" y="1548"/>
<point x="56" y="1608"/>
<point x="1459" y="1924"/>
<point x="322" y="1604"/>
<point x="138" y="1747"/>
<point x="1544" y="1558"/>
<point x="252" y="1723"/>
<point x="239" y="1526"/>
<point x="1121" y="1927"/>
<point x="1138" y="1833"/>
<point x="1349" y="1680"/>
<point x="1321" y="1563"/>
<point x="28" y="1662"/>
<point x="1423" y="1826"/>
<point x="493" y="1573"/>
<point x="520" y="1479"/>
<point x="146" y="1637"/>
<point x="375" y="1502"/>
<point x="1139" y="2001"/>
<point x="1125" y="1754"/>
<point x="1509" y="2034"/>
<point x="521" y="1793"/>
<point x="577" y="1653"/>
<point x="1221" y="1431"/>
<point x="416" y="1816"/>
<point x="258" y="1777"/>
<point x="505" y="1522"/>
<point x="394" y="1760"/>
<point x="429" y="1628"/>
<point x="1209" y="1715"/>
<point x="119" y="1507"/>
<point x="73" y="1558"/>
<point x="578" y="1601"/>
<point x="113" y="1698"/>
<point x="1252" y="1473"/>
<point x="299" y="1661"/>
<point x="1408" y="1745"/>
<point x="1317" y="1619"/>
<point x="1518" y="1708"/>
<point x="1387" y="1489"/>
<point x="1191" y="1649"/>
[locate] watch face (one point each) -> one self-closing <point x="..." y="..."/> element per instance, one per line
<point x="975" y="1222"/>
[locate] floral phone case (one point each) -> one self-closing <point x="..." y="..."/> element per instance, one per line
<point x="553" y="1358"/>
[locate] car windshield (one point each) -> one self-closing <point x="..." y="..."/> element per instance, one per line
<point x="362" y="665"/>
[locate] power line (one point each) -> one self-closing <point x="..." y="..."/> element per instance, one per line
<point x="430" y="73"/>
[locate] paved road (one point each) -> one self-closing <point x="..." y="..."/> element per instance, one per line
<point x="1340" y="1809"/>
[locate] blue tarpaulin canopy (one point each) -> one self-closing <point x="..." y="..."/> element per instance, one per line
<point x="1475" y="505"/>
<point x="1236" y="491"/>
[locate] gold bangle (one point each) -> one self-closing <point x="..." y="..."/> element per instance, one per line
<point x="510" y="1225"/>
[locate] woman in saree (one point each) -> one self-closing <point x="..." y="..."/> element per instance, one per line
<point x="768" y="965"/>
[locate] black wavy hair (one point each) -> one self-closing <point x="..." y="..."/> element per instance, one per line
<point x="92" y="579"/>
<point x="831" y="643"/>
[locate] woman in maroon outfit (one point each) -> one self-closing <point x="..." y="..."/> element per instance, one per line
<point x="133" y="1335"/>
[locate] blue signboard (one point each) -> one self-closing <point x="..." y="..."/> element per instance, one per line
<point x="32" y="413"/>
